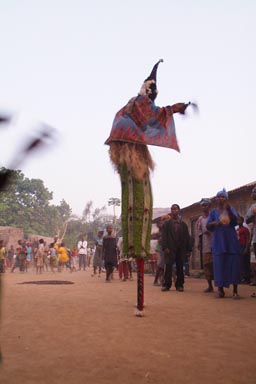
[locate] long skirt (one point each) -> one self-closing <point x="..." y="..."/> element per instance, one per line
<point x="97" y="258"/>
<point x="226" y="269"/>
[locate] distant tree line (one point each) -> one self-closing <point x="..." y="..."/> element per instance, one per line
<point x="26" y="203"/>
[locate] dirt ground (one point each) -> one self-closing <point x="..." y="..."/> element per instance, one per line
<point x="87" y="333"/>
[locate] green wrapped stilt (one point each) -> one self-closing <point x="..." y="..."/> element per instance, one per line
<point x="137" y="206"/>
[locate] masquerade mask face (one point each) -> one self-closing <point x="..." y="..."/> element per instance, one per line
<point x="149" y="88"/>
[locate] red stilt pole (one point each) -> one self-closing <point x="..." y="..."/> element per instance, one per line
<point x="140" y="286"/>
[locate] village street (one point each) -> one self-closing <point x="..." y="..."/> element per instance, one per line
<point x="86" y="332"/>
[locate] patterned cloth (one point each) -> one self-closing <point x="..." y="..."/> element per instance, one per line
<point x="142" y="122"/>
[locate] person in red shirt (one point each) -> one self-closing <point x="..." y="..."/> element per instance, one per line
<point x="73" y="260"/>
<point x="244" y="237"/>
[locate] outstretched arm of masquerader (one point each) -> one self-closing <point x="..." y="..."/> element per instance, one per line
<point x="181" y="107"/>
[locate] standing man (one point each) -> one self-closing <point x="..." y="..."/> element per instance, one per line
<point x="82" y="252"/>
<point x="206" y="243"/>
<point x="176" y="246"/>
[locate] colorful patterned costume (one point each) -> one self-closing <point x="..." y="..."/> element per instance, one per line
<point x="137" y="124"/>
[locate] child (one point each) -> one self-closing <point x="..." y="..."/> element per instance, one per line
<point x="73" y="259"/>
<point x="28" y="256"/>
<point x="2" y="257"/>
<point x="63" y="257"/>
<point x="244" y="238"/>
<point x="52" y="257"/>
<point x="40" y="257"/>
<point x="160" y="266"/>
<point x="122" y="261"/>
<point x="160" y="256"/>
<point x="16" y="259"/>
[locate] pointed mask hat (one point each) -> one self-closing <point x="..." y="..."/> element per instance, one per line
<point x="149" y="86"/>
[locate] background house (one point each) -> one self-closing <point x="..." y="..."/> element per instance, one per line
<point x="239" y="198"/>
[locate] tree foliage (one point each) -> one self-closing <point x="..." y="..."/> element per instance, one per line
<point x="92" y="220"/>
<point x="26" y="203"/>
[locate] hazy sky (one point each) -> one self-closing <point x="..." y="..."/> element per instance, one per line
<point x="75" y="63"/>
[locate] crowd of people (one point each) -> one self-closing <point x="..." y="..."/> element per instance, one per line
<point x="40" y="256"/>
<point x="224" y="241"/>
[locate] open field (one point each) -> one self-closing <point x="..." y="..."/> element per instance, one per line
<point x="86" y="333"/>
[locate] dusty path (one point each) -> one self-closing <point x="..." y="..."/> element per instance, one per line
<point x="86" y="333"/>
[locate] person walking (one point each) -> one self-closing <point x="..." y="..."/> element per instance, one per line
<point x="225" y="246"/>
<point x="109" y="252"/>
<point x="82" y="252"/>
<point x="97" y="258"/>
<point x="176" y="246"/>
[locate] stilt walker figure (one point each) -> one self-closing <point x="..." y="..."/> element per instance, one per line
<point x="138" y="124"/>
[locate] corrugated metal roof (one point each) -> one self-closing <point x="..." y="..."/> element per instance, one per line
<point x="231" y="192"/>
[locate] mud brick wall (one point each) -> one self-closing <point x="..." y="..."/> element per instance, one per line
<point x="11" y="235"/>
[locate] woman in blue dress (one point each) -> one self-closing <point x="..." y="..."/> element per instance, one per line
<point x="225" y="246"/>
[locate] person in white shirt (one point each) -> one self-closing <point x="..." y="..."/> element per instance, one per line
<point x="82" y="252"/>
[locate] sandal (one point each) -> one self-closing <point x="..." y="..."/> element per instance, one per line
<point x="235" y="296"/>
<point x="220" y="295"/>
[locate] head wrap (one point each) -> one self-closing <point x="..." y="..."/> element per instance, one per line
<point x="222" y="193"/>
<point x="205" y="201"/>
